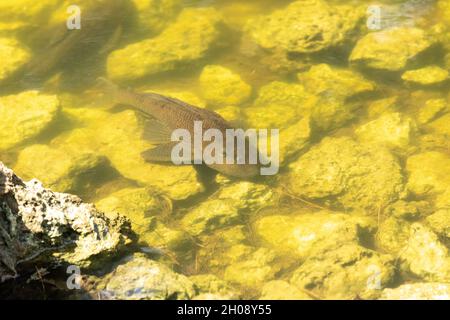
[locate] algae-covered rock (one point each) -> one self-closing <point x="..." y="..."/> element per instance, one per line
<point x="391" y="129"/>
<point x="390" y="49"/>
<point x="428" y="175"/>
<point x="306" y="234"/>
<point x="230" y="113"/>
<point x="185" y="40"/>
<point x="323" y="78"/>
<point x="425" y="256"/>
<point x="418" y="291"/>
<point x="408" y="210"/>
<point x="331" y="113"/>
<point x="153" y="15"/>
<point x="68" y="169"/>
<point x="227" y="206"/>
<point x="119" y="138"/>
<point x="39" y="224"/>
<point x="439" y="222"/>
<point x="305" y="26"/>
<point x="432" y="109"/>
<point x="257" y="268"/>
<point x="381" y="106"/>
<point x="348" y="272"/>
<point x="221" y="86"/>
<point x="431" y="75"/>
<point x="210" y="287"/>
<point x="13" y="56"/>
<point x="347" y="174"/>
<point x="24" y="116"/>
<point x="279" y="105"/>
<point x="392" y="235"/>
<point x="440" y="125"/>
<point x="294" y="139"/>
<point x="282" y="290"/>
<point x="140" y="278"/>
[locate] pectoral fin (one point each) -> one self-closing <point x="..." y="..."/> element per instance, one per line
<point x="161" y="153"/>
<point x="156" y="132"/>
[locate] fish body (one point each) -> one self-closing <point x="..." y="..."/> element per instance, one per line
<point x="171" y="114"/>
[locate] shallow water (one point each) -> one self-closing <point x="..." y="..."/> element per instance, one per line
<point x="358" y="142"/>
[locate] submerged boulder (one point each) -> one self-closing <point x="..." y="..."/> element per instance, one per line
<point x="347" y="174"/>
<point x="25" y="116"/>
<point x="153" y="15"/>
<point x="305" y="26"/>
<point x="390" y="49"/>
<point x="187" y="39"/>
<point x="418" y="291"/>
<point x="221" y="86"/>
<point x="348" y="272"/>
<point x="41" y="225"/>
<point x="431" y="75"/>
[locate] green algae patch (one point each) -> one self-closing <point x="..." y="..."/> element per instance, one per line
<point x="431" y="75"/>
<point x="187" y="39"/>
<point x="305" y="26"/>
<point x="390" y="49"/>
<point x="347" y="174"/>
<point x="221" y="86"/>
<point x="24" y="116"/>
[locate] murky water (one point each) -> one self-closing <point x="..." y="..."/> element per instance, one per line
<point x="357" y="89"/>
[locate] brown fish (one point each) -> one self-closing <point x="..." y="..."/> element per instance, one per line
<point x="168" y="114"/>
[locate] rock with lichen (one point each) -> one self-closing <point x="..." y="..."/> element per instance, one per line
<point x="427" y="76"/>
<point x="347" y="174"/>
<point x="24" y="116"/>
<point x="221" y="86"/>
<point x="39" y="224"/>
<point x="187" y="39"/>
<point x="391" y="49"/>
<point x="305" y="26"/>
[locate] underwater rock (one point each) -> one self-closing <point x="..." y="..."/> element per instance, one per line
<point x="307" y="234"/>
<point x="347" y="174"/>
<point x="254" y="270"/>
<point x="13" y="56"/>
<point x="282" y="290"/>
<point x="226" y="207"/>
<point x="431" y="75"/>
<point x="348" y="272"/>
<point x="210" y="287"/>
<point x="139" y="278"/>
<point x="25" y="116"/>
<point x="424" y="256"/>
<point x="187" y="39"/>
<point x="68" y="169"/>
<point x="439" y="222"/>
<point x="428" y="176"/>
<point x="39" y="224"/>
<point x="230" y="113"/>
<point x="294" y="139"/>
<point x="393" y="235"/>
<point x="324" y="79"/>
<point x="279" y="105"/>
<point x="331" y="113"/>
<point x="221" y="86"/>
<point x="418" y="291"/>
<point x="305" y="26"/>
<point x="392" y="130"/>
<point x="390" y="49"/>
<point x="440" y="125"/>
<point x="144" y="207"/>
<point x="153" y="15"/>
<point x="408" y="210"/>
<point x="432" y="109"/>
<point x="381" y="106"/>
